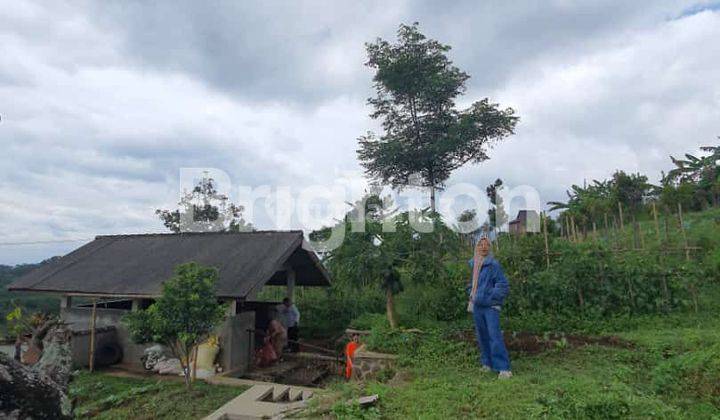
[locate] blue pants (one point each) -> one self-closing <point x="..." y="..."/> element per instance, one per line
<point x="493" y="353"/>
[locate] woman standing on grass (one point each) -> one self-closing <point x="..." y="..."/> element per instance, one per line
<point x="488" y="289"/>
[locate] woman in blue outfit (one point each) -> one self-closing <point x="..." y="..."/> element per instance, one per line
<point x="488" y="289"/>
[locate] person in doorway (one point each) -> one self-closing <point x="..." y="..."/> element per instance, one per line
<point x="290" y="318"/>
<point x="277" y="335"/>
<point x="488" y="289"/>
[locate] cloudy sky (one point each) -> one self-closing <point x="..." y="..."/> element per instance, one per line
<point x="102" y="103"/>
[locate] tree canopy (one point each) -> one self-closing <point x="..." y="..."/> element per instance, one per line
<point x="425" y="136"/>
<point x="204" y="209"/>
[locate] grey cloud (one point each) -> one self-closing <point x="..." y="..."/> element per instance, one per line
<point x="104" y="102"/>
<point x="272" y="51"/>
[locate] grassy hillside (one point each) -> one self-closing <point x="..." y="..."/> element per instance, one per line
<point x="662" y="367"/>
<point x="602" y="360"/>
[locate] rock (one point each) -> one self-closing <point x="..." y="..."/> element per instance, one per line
<point x="56" y="360"/>
<point x="368" y="400"/>
<point x="168" y="367"/>
<point x="26" y="393"/>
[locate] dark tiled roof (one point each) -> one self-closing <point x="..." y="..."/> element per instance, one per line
<point x="136" y="265"/>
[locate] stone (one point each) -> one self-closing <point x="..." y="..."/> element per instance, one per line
<point x="26" y="393"/>
<point x="56" y="360"/>
<point x="368" y="400"/>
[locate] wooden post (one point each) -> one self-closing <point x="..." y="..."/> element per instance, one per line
<point x="657" y="225"/>
<point x="547" y="247"/>
<point x="622" y="223"/>
<point x="291" y="284"/>
<point x="91" y="362"/>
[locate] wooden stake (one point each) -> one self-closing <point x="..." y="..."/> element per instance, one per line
<point x="622" y="223"/>
<point x="547" y="247"/>
<point x="91" y="362"/>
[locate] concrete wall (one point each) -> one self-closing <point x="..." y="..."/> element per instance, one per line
<point x="80" y="345"/>
<point x="236" y="344"/>
<point x="80" y="319"/>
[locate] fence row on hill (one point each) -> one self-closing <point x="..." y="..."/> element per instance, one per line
<point x="612" y="234"/>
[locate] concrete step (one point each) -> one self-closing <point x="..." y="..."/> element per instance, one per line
<point x="263" y="401"/>
<point x="280" y="393"/>
<point x="295" y="394"/>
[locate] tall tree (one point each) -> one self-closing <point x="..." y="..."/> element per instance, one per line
<point x="425" y="137"/>
<point x="204" y="209"/>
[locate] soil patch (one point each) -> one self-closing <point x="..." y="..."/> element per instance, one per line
<point x="529" y="343"/>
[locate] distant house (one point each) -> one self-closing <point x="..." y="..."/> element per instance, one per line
<point x="526" y="221"/>
<point x="125" y="273"/>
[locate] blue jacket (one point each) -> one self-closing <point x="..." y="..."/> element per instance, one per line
<point x="492" y="286"/>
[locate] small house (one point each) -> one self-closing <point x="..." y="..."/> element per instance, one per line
<point x="525" y="222"/>
<point x="125" y="273"/>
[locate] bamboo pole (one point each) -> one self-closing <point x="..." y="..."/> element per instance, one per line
<point x="691" y="287"/>
<point x="574" y="229"/>
<point x="682" y="231"/>
<point x="547" y="247"/>
<point x="91" y="362"/>
<point x="567" y="228"/>
<point x="655" y="218"/>
<point x="607" y="229"/>
<point x="637" y="238"/>
<point x="594" y="231"/>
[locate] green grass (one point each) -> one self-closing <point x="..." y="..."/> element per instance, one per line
<point x="673" y="372"/>
<point x="103" y="396"/>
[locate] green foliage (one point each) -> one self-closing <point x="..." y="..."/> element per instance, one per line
<point x="183" y="316"/>
<point x="327" y="313"/>
<point x="374" y="257"/>
<point x="592" y="281"/>
<point x="343" y="410"/>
